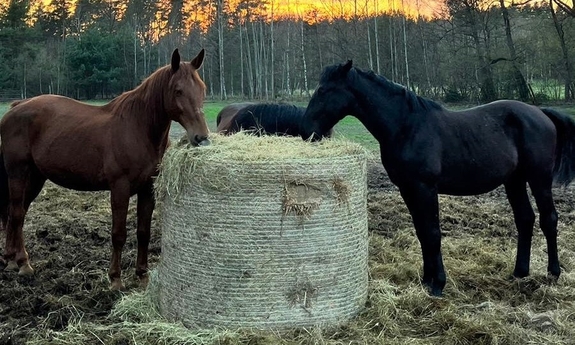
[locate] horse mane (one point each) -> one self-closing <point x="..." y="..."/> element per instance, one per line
<point x="414" y="101"/>
<point x="282" y="112"/>
<point x="145" y="98"/>
<point x="270" y="117"/>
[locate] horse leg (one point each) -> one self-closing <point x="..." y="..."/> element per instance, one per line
<point x="119" y="199"/>
<point x="22" y="192"/>
<point x="145" y="209"/>
<point x="524" y="219"/>
<point x="543" y="195"/>
<point x="423" y="205"/>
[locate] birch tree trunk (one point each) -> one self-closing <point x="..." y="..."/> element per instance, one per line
<point x="518" y="78"/>
<point x="407" y="78"/>
<point x="220" y="24"/>
<point x="569" y="90"/>
<point x="392" y="50"/>
<point x="370" y="55"/>
<point x="272" y="56"/>
<point x="287" y="60"/>
<point x="241" y="59"/>
<point x="304" y="63"/>
<point x="376" y="36"/>
<point x="250" y="72"/>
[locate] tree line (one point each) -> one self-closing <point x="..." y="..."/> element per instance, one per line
<point x="475" y="51"/>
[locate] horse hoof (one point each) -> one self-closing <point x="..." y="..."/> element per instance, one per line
<point x="11" y="266"/>
<point x="144" y="280"/>
<point x="26" y="270"/>
<point x="551" y="277"/>
<point x="117" y="285"/>
<point x="435" y="292"/>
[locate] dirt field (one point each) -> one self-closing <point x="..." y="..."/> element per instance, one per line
<point x="68" y="238"/>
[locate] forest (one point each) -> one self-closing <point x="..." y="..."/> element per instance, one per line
<point x="471" y="51"/>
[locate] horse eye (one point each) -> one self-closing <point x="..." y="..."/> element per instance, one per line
<point x="179" y="92"/>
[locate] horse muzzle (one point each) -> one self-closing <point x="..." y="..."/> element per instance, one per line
<point x="199" y="140"/>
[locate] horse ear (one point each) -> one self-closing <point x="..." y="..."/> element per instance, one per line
<point x="199" y="59"/>
<point x="347" y="66"/>
<point x="175" y="60"/>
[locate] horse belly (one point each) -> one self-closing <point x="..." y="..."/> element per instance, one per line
<point x="476" y="176"/>
<point x="470" y="188"/>
<point x="78" y="168"/>
<point x="76" y="181"/>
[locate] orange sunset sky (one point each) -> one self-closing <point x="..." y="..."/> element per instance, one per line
<point x="321" y="9"/>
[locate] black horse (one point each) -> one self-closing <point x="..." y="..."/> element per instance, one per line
<point x="428" y="150"/>
<point x="265" y="119"/>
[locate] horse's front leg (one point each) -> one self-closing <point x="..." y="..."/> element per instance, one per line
<point x="119" y="199"/>
<point x="421" y="200"/>
<point x="146" y="204"/>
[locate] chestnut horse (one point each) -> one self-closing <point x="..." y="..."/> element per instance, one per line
<point x="115" y="147"/>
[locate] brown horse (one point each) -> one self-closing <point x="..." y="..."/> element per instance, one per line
<point x="114" y="147"/>
<point x="226" y="115"/>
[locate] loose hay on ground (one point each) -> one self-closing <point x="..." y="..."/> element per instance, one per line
<point x="481" y="305"/>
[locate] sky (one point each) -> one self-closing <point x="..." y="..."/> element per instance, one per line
<point x="324" y="9"/>
<point x="347" y="8"/>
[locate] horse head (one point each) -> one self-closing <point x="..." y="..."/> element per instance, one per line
<point x="184" y="98"/>
<point x="331" y="102"/>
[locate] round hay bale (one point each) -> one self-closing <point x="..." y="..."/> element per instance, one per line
<point x="264" y="232"/>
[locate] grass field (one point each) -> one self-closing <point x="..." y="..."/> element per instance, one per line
<point x="349" y="128"/>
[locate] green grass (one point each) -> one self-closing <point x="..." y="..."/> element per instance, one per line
<point x="349" y="128"/>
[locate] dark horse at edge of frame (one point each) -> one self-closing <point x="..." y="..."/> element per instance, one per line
<point x="115" y="147"/>
<point x="223" y="120"/>
<point x="428" y="150"/>
<point x="263" y="119"/>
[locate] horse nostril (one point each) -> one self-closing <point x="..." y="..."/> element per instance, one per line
<point x="201" y="140"/>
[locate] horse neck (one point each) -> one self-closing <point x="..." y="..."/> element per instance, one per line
<point x="383" y="113"/>
<point x="143" y="111"/>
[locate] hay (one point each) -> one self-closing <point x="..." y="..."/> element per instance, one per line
<point x="481" y="306"/>
<point x="264" y="232"/>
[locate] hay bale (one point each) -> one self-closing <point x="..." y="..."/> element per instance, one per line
<point x="264" y="232"/>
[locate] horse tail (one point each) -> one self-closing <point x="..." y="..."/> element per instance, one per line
<point x="564" y="169"/>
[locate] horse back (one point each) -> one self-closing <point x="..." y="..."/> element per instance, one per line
<point x="269" y="118"/>
<point x="75" y="145"/>
<point x="226" y="115"/>
<point x="489" y="143"/>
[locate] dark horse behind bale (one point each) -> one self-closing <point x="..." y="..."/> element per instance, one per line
<point x="115" y="147"/>
<point x="225" y="116"/>
<point x="263" y="119"/>
<point x="428" y="150"/>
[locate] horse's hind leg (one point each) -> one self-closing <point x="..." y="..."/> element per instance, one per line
<point x="23" y="189"/>
<point x="543" y="195"/>
<point x="524" y="217"/>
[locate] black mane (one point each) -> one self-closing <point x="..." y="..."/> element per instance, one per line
<point x="269" y="118"/>
<point x="415" y="102"/>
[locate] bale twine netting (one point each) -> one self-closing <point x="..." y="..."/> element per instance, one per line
<point x="263" y="232"/>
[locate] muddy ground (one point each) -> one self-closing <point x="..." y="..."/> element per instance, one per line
<point x="68" y="238"/>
